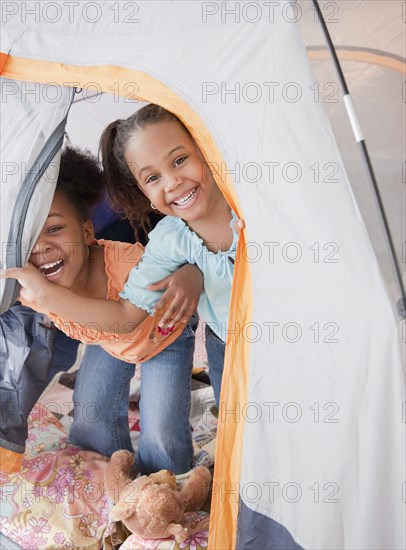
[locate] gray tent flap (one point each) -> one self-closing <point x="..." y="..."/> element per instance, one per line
<point x="32" y="128"/>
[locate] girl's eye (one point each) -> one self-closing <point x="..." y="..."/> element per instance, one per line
<point x="180" y="160"/>
<point x="54" y="229"/>
<point x="151" y="179"/>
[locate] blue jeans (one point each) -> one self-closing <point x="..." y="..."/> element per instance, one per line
<point x="101" y="405"/>
<point x="215" y="356"/>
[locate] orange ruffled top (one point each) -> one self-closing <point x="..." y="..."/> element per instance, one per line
<point x="134" y="347"/>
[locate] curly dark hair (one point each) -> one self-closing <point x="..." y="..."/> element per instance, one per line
<point x="81" y="180"/>
<point x="125" y="194"/>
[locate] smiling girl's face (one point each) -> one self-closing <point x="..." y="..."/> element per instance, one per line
<point x="62" y="249"/>
<point x="171" y="171"/>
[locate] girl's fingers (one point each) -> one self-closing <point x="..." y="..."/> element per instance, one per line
<point x="166" y="326"/>
<point x="164" y="299"/>
<point x="181" y="316"/>
<point x="159" y="285"/>
<point x="175" y="315"/>
<point x="10" y="273"/>
<point x="19" y="273"/>
<point x="180" y="309"/>
<point x="169" y="317"/>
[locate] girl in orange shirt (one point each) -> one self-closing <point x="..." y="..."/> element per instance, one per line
<point x="68" y="255"/>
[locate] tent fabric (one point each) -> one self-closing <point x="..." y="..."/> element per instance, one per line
<point x="259" y="531"/>
<point x="32" y="134"/>
<point x="342" y="376"/>
<point x="313" y="383"/>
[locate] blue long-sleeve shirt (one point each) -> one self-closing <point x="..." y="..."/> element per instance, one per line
<point x="171" y="245"/>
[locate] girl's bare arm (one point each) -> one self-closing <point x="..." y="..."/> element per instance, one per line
<point x="183" y="291"/>
<point x="110" y="316"/>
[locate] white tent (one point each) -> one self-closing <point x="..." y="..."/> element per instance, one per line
<point x="310" y="450"/>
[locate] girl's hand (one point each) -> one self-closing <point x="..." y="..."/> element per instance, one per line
<point x="33" y="284"/>
<point x="239" y="225"/>
<point x="183" y="289"/>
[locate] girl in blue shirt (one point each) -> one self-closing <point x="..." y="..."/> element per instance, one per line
<point x="152" y="162"/>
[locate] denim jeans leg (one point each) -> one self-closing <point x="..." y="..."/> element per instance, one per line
<point x="215" y="356"/>
<point x="101" y="399"/>
<point x="166" y="439"/>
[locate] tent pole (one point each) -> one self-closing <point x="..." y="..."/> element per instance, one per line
<point x="401" y="303"/>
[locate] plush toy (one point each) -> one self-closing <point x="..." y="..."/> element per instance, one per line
<point x="153" y="506"/>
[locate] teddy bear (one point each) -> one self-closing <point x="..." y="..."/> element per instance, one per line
<point x="153" y="506"/>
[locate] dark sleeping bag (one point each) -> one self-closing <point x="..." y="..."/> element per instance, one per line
<point x="26" y="347"/>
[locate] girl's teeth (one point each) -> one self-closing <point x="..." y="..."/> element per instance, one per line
<point x="48" y="266"/>
<point x="180" y="202"/>
<point x="54" y="272"/>
<point x="51" y="268"/>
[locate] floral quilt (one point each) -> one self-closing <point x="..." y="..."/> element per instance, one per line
<point x="58" y="500"/>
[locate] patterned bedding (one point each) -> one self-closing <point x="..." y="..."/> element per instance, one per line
<point x="58" y="500"/>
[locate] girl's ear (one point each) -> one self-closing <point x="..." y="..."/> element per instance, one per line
<point x="88" y="231"/>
